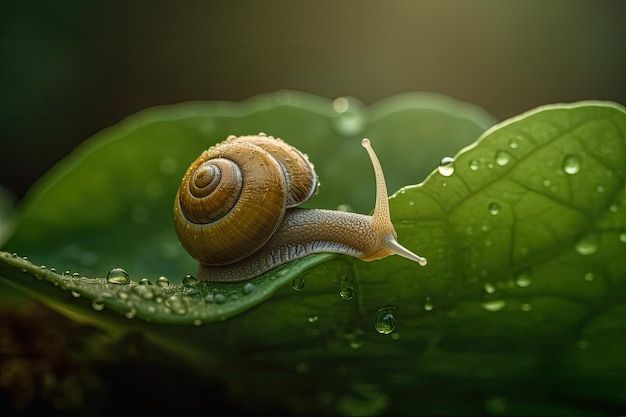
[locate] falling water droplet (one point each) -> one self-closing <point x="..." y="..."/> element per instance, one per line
<point x="588" y="245"/>
<point x="446" y="166"/>
<point x="494" y="209"/>
<point x="571" y="164"/>
<point x="503" y="158"/>
<point x="297" y="284"/>
<point x="384" y="321"/>
<point x="118" y="276"/>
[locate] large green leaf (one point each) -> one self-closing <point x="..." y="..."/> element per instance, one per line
<point x="522" y="302"/>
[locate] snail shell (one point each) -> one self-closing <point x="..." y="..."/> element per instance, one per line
<point x="235" y="212"/>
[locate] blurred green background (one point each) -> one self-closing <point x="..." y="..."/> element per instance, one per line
<point x="71" y="68"/>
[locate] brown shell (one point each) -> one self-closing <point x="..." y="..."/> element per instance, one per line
<point x="233" y="197"/>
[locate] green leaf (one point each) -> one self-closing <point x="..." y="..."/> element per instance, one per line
<point x="522" y="301"/>
<point x="110" y="203"/>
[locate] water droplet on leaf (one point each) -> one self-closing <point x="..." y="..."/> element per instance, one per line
<point x="446" y="166"/>
<point x="524" y="279"/>
<point x="503" y="158"/>
<point x="176" y="304"/>
<point x="190" y="281"/>
<point x="297" y="284"/>
<point x="249" y="288"/>
<point x="385" y="321"/>
<point x="118" y="276"/>
<point x="97" y="304"/>
<point x="588" y="245"/>
<point x="144" y="291"/>
<point x="494" y="209"/>
<point x="494" y="305"/>
<point x="571" y="164"/>
<point x="162" y="282"/>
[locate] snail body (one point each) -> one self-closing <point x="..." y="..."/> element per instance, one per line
<point x="236" y="212"/>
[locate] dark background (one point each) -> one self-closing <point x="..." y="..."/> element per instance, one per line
<point x="71" y="68"/>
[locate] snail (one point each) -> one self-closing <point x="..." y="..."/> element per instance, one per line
<point x="236" y="212"/>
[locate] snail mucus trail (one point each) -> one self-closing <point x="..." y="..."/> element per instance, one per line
<point x="236" y="212"/>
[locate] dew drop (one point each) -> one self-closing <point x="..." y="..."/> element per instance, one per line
<point x="494" y="305"/>
<point x="503" y="158"/>
<point x="313" y="319"/>
<point x="588" y="245"/>
<point x="589" y="276"/>
<point x="249" y="288"/>
<point x="131" y="313"/>
<point x="97" y="304"/>
<point x="77" y="275"/>
<point x="177" y="304"/>
<point x="118" y="276"/>
<point x="341" y="104"/>
<point x="220" y="298"/>
<point x="144" y="281"/>
<point x="490" y="288"/>
<point x="571" y="164"/>
<point x="162" y="282"/>
<point x="622" y="236"/>
<point x="190" y="281"/>
<point x="384" y="321"/>
<point x="297" y="284"/>
<point x="525" y="307"/>
<point x="513" y="143"/>
<point x="144" y="291"/>
<point x="428" y="305"/>
<point x="494" y="209"/>
<point x="474" y="165"/>
<point x="346" y="292"/>
<point x="446" y="166"/>
<point x="75" y="294"/>
<point x="523" y="279"/>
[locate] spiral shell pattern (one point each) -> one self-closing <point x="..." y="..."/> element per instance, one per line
<point x="234" y="196"/>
